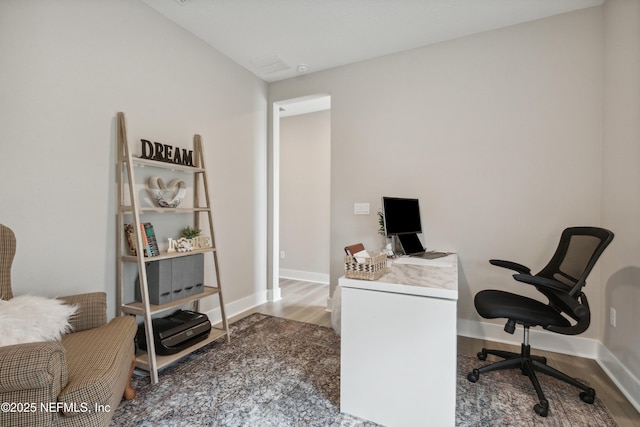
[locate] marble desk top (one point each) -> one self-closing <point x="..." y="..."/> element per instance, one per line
<point x="436" y="278"/>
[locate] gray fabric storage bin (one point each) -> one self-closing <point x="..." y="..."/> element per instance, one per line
<point x="172" y="279"/>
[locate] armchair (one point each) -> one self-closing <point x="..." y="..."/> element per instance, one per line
<point x="77" y="381"/>
<point x="566" y="312"/>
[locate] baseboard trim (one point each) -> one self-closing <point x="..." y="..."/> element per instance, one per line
<point x="628" y="384"/>
<point x="274" y="295"/>
<point x="307" y="276"/>
<point x="237" y="307"/>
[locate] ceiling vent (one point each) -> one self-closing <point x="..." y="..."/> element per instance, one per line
<point x="270" y="64"/>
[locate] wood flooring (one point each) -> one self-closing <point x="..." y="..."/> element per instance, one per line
<point x="307" y="302"/>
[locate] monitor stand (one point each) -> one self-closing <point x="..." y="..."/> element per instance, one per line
<point x="396" y="245"/>
<point x="409" y="244"/>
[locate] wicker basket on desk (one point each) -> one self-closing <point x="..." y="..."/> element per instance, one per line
<point x="370" y="269"/>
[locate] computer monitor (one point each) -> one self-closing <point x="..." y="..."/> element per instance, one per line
<point x="401" y="216"/>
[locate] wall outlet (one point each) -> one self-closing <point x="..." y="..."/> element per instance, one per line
<point x="612" y="316"/>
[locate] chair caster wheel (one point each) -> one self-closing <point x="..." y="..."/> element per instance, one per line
<point x="543" y="411"/>
<point x="588" y="396"/>
<point x="473" y="376"/>
<point x="482" y="355"/>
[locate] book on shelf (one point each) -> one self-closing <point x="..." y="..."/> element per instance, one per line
<point x="148" y="237"/>
<point x="145" y="241"/>
<point x="151" y="239"/>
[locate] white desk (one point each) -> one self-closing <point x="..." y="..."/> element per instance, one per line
<point x="398" y="345"/>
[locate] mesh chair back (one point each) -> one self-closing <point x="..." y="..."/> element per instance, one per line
<point x="576" y="255"/>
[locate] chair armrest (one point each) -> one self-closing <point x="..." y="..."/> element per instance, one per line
<point x="511" y="266"/>
<point x="542" y="282"/>
<point x="583" y="319"/>
<point x="92" y="310"/>
<point x="38" y="368"/>
<point x="558" y="294"/>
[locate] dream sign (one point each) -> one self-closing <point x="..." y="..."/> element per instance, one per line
<point x="166" y="153"/>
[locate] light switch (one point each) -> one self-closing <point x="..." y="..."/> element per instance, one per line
<point x="361" y="208"/>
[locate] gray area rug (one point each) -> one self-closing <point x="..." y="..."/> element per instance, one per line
<point x="278" y="372"/>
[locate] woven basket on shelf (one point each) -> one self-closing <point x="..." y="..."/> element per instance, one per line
<point x="370" y="269"/>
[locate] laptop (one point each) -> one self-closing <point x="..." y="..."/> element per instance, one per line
<point x="412" y="246"/>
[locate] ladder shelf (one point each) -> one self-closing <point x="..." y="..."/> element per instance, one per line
<point x="129" y="211"/>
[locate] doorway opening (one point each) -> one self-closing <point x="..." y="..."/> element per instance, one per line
<point x="299" y="192"/>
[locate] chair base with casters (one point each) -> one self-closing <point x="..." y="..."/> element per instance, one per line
<point x="529" y="364"/>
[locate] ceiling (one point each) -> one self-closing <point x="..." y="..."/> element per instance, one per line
<point x="280" y="39"/>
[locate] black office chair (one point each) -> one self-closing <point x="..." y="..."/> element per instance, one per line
<point x="561" y="281"/>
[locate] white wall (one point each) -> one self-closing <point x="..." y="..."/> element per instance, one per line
<point x="498" y="134"/>
<point x="621" y="200"/>
<point x="67" y="68"/>
<point x="304" y="195"/>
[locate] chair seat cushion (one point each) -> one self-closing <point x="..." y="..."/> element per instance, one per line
<point x="492" y="304"/>
<point x="98" y="361"/>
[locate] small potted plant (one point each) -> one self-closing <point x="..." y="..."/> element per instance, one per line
<point x="190" y="232"/>
<point x="381" y="223"/>
<point x="387" y="242"/>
